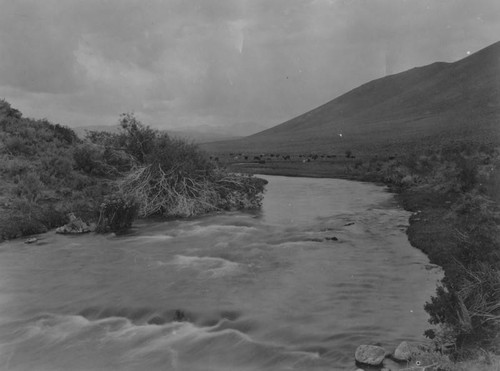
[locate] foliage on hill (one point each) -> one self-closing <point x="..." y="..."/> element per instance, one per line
<point x="48" y="172"/>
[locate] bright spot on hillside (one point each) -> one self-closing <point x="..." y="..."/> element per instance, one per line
<point x="340" y="135"/>
<point x="468" y="52"/>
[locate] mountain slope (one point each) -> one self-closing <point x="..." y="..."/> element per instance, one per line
<point x="439" y="101"/>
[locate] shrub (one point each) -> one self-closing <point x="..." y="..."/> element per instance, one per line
<point x="116" y="214"/>
<point x="93" y="160"/>
<point x="182" y="158"/>
<point x="17" y="146"/>
<point x="29" y="188"/>
<point x="102" y="138"/>
<point x="467" y="173"/>
<point x="64" y="134"/>
<point x="117" y="159"/>
<point x="477" y="234"/>
<point x="83" y="157"/>
<point x="51" y="217"/>
<point x="469" y="308"/>
<point x="175" y="178"/>
<point x="14" y="166"/>
<point x="137" y="139"/>
<point x="6" y="110"/>
<point x="57" y="166"/>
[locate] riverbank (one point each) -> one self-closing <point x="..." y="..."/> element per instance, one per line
<point x="452" y="193"/>
<point x="430" y="231"/>
<point x="428" y="228"/>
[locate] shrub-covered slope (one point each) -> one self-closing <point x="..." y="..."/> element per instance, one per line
<point x="48" y="173"/>
<point x="42" y="178"/>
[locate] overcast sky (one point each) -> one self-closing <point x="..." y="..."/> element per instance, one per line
<point x="246" y="64"/>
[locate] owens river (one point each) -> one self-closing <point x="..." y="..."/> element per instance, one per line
<point x="236" y="291"/>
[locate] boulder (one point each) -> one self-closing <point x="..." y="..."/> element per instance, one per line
<point x="370" y="354"/>
<point x="403" y="351"/>
<point x="31" y="240"/>
<point x="406" y="351"/>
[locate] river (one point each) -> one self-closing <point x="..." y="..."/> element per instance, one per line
<point x="324" y="267"/>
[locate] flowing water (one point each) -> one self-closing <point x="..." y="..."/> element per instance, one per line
<point x="271" y="290"/>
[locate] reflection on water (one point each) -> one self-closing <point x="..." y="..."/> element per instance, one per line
<point x="238" y="291"/>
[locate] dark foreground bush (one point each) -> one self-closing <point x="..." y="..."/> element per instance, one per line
<point x="116" y="214"/>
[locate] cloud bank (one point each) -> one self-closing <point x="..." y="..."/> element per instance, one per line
<point x="242" y="64"/>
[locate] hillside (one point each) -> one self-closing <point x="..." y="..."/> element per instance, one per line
<point x="425" y="104"/>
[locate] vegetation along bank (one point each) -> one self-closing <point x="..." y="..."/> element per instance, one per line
<point x="51" y="178"/>
<point x="452" y="190"/>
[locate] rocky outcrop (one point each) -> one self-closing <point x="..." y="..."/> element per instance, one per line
<point x="370" y="355"/>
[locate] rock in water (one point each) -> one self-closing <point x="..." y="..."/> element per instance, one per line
<point x="403" y="351"/>
<point x="31" y="240"/>
<point x="409" y="350"/>
<point x="370" y="354"/>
